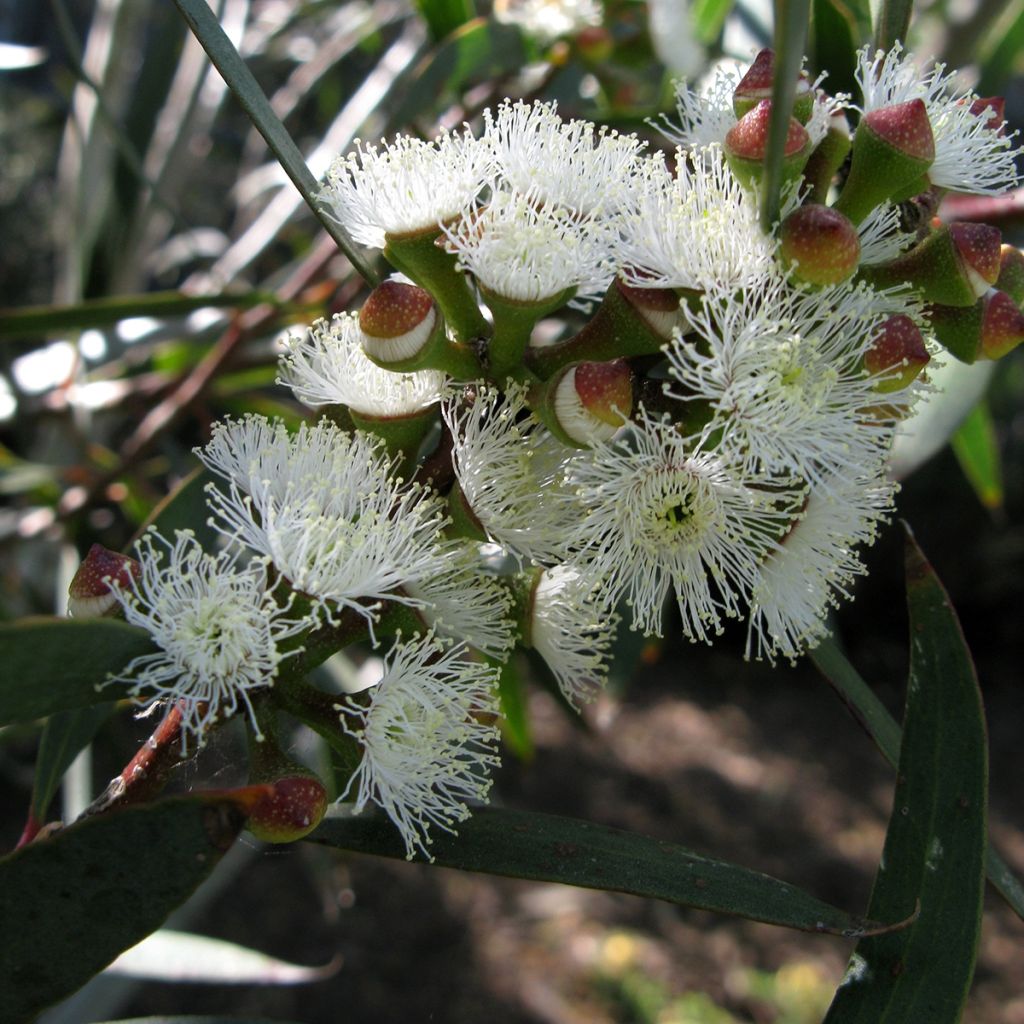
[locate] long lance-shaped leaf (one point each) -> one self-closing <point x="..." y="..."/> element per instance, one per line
<point x="198" y="1020"/>
<point x="876" y="721"/>
<point x="791" y="18"/>
<point x="935" y="844"/>
<point x="70" y="903"/>
<point x="977" y="450"/>
<point x="892" y="20"/>
<point x="52" y="664"/>
<point x="241" y="82"/>
<point x="184" y="508"/>
<point x="546" y="848"/>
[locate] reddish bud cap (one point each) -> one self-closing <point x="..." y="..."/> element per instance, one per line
<point x="820" y="245"/>
<point x="659" y="307"/>
<point x="595" y="43"/>
<point x="394" y="309"/>
<point x="89" y="594"/>
<point x="748" y="137"/>
<point x="292" y="809"/>
<point x="992" y="110"/>
<point x="1011" y="273"/>
<point x="898" y="354"/>
<point x="592" y="400"/>
<point x="905" y="127"/>
<point x="1002" y="325"/>
<point x="979" y="247"/>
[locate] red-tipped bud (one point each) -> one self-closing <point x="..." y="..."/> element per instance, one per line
<point x="991" y="109"/>
<point x="294" y="807"/>
<point x="756" y="85"/>
<point x="1002" y="325"/>
<point x="89" y="595"/>
<point x="989" y="329"/>
<point x="397" y="321"/>
<point x="1011" y="273"/>
<point x="595" y="44"/>
<point x="897" y="354"/>
<point x="659" y="307"/>
<point x="819" y="245"/>
<point x="905" y="127"/>
<point x="747" y="142"/>
<point x="592" y="400"/>
<point x="979" y="246"/>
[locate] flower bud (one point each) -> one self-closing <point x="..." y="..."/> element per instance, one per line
<point x="89" y="595"/>
<point x="954" y="266"/>
<point x="897" y="354"/>
<point x="991" y="109"/>
<point x="658" y="307"/>
<point x="295" y="805"/>
<point x="892" y="149"/>
<point x="1011" y="273"/>
<point x="819" y="246"/>
<point x="595" y="44"/>
<point x="756" y="85"/>
<point x="989" y="329"/>
<point x="746" y="144"/>
<point x="397" y="322"/>
<point x="587" y="402"/>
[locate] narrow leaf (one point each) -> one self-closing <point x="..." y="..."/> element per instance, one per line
<point x="835" y="38"/>
<point x="445" y="16"/>
<point x="935" y="844"/>
<point x="241" y="82"/>
<point x="198" y="1020"/>
<point x="892" y="20"/>
<point x="791" y="19"/>
<point x="53" y="664"/>
<point x="999" y="65"/>
<point x="546" y="848"/>
<point x="185" y="508"/>
<point x="69" y="904"/>
<point x="515" y="721"/>
<point x="709" y="17"/>
<point x="872" y="714"/>
<point x="977" y="451"/>
<point x="64" y="736"/>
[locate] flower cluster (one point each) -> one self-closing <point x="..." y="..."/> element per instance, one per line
<point x="714" y="436"/>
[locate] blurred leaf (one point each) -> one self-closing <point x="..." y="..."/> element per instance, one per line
<point x="835" y="37"/>
<point x="482" y="48"/>
<point x="445" y="16"/>
<point x="1005" y="59"/>
<point x="883" y="729"/>
<point x="240" y="80"/>
<point x="977" y="451"/>
<point x="892" y="20"/>
<point x="790" y="43"/>
<point x="515" y="722"/>
<point x="935" y="843"/>
<point x="168" y="955"/>
<point x="709" y="17"/>
<point x="198" y="1020"/>
<point x="546" y="848"/>
<point x="53" y="664"/>
<point x="70" y="903"/>
<point x="34" y="321"/>
<point x="65" y="734"/>
<point x="185" y="509"/>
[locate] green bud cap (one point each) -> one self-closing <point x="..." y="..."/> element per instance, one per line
<point x="294" y="807"/>
<point x="819" y="246"/>
<point x="747" y="142"/>
<point x="892" y="149"/>
<point x="1011" y="273"/>
<point x="89" y="595"/>
<point x="828" y="157"/>
<point x="897" y="354"/>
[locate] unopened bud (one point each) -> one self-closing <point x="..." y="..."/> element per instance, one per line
<point x="658" y="307"/>
<point x="294" y="807"/>
<point x="1011" y="273"/>
<point x="593" y="400"/>
<point x="989" y="329"/>
<point x="397" y="321"/>
<point x="756" y="85"/>
<point x="595" y="44"/>
<point x="819" y="245"/>
<point x="89" y="595"/>
<point x="892" y="149"/>
<point x="746" y="144"/>
<point x="897" y="354"/>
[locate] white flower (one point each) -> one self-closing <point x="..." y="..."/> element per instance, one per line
<point x="531" y="253"/>
<point x="329" y="367"/>
<point x="408" y="185"/>
<point x="217" y="626"/>
<point x="692" y="230"/>
<point x="882" y="237"/>
<point x="511" y="472"/>
<point x="783" y="372"/>
<point x="325" y="507"/>
<point x="969" y="156"/>
<point x="661" y="516"/>
<point x="464" y="603"/>
<point x="815" y="563"/>
<point x="428" y="736"/>
<point x="548" y="20"/>
<point x="567" y="163"/>
<point x="572" y="630"/>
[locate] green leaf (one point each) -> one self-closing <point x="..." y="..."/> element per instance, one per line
<point x="481" y="48"/>
<point x="445" y="16"/>
<point x="546" y="848"/>
<point x="871" y="713"/>
<point x="791" y="20"/>
<point x="835" y="37"/>
<point x="935" y="845"/>
<point x="515" y="722"/>
<point x="69" y="904"/>
<point x="977" y="451"/>
<point x="709" y="17"/>
<point x="198" y="1020"/>
<point x="241" y="82"/>
<point x="1004" y="58"/>
<point x="184" y="508"/>
<point x="33" y="321"/>
<point x="53" y="664"/>
<point x="892" y="20"/>
<point x="64" y="736"/>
